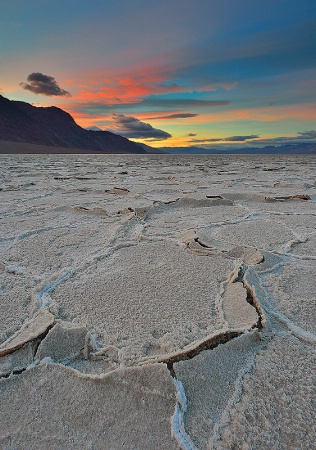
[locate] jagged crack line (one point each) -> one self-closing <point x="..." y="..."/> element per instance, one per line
<point x="295" y="330"/>
<point x="253" y="300"/>
<point x="36" y="343"/>
<point x="201" y="243"/>
<point x="209" y="343"/>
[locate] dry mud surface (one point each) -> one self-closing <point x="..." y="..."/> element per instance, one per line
<point x="157" y="302"/>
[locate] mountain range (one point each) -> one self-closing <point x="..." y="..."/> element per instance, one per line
<point x="290" y="149"/>
<point x="22" y="122"/>
<point x="25" y="128"/>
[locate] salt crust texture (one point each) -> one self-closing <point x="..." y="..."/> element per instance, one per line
<point x="157" y="302"/>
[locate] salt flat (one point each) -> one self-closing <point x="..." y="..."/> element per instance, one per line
<point x="157" y="302"/>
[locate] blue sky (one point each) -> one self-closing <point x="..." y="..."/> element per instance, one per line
<point x="160" y="71"/>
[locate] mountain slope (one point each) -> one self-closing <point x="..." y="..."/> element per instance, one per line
<point x="17" y="126"/>
<point x="22" y="122"/>
<point x="152" y="150"/>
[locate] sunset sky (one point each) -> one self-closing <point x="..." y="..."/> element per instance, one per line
<point x="167" y="72"/>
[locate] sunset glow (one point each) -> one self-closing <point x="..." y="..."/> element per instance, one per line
<point x="184" y="73"/>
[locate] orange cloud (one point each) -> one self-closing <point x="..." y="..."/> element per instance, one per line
<point x="127" y="89"/>
<point x="263" y="115"/>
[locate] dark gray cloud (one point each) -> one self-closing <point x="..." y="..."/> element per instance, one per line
<point x="240" y="138"/>
<point x="288" y="140"/>
<point x="38" y="83"/>
<point x="308" y="134"/>
<point x="259" y="143"/>
<point x="131" y="127"/>
<point x="228" y="139"/>
<point x="191" y="134"/>
<point x="175" y="116"/>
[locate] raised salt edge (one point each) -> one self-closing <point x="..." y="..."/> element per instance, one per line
<point x="178" y="430"/>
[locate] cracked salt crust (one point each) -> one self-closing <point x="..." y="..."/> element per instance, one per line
<point x="262" y="234"/>
<point x="297" y="282"/>
<point x="279" y="390"/>
<point x="149" y="299"/>
<point x="61" y="408"/>
<point x="157" y="302"/>
<point x="15" y="295"/>
<point x="210" y="381"/>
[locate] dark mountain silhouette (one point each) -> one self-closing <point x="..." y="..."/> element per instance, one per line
<point x="25" y="124"/>
<point x="22" y="122"/>
<point x="17" y="126"/>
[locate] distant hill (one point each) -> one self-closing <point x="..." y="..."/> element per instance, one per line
<point x="24" y="123"/>
<point x="153" y="150"/>
<point x="93" y="128"/>
<point x="53" y="130"/>
<point x="290" y="149"/>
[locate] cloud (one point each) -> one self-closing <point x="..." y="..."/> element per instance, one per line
<point x="127" y="89"/>
<point x="95" y="108"/>
<point x="38" y="83"/>
<point x="228" y="139"/>
<point x="191" y="134"/>
<point x="131" y="127"/>
<point x="240" y="138"/>
<point x="289" y="140"/>
<point x="259" y="143"/>
<point x="175" y="116"/>
<point x="308" y="134"/>
<point x="182" y="102"/>
<point x="273" y="52"/>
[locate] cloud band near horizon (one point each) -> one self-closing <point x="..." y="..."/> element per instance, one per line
<point x="131" y="127"/>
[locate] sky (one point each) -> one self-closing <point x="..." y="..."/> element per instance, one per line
<point x="168" y="73"/>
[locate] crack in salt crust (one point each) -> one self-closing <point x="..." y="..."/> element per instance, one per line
<point x="216" y="247"/>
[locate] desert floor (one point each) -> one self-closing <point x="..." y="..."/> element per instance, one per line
<point x="157" y="302"/>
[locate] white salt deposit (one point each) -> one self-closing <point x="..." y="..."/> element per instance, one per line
<point x="157" y="302"/>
